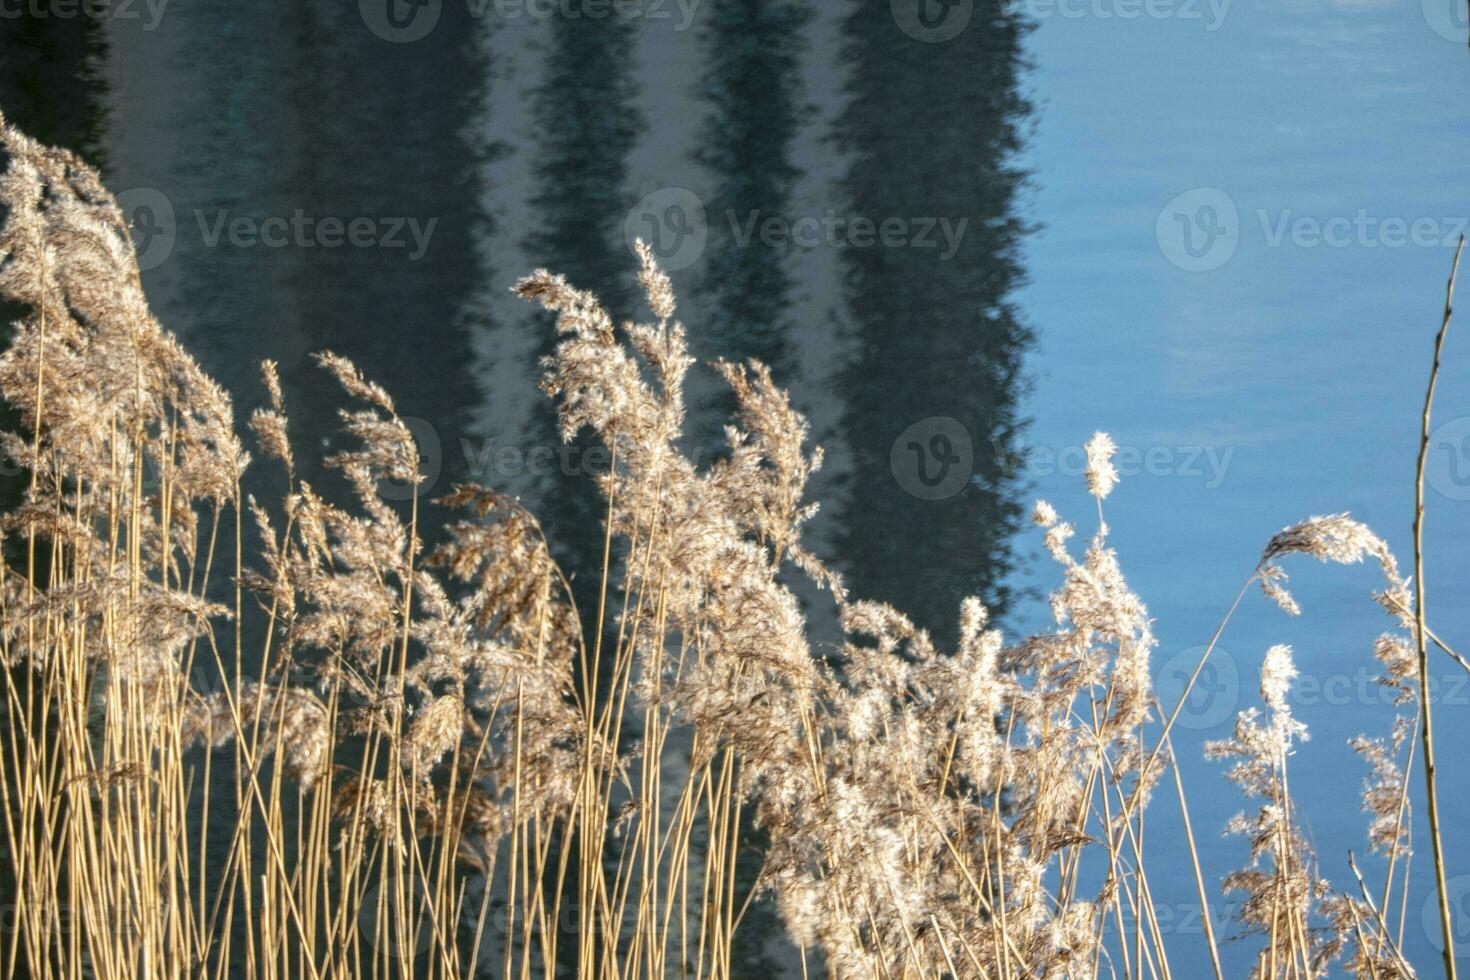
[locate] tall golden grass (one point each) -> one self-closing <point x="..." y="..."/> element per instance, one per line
<point x="290" y="740"/>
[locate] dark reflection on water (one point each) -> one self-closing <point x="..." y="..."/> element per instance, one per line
<point x="299" y="119"/>
<point x="50" y="83"/>
<point x="241" y="111"/>
<point x="752" y="51"/>
<point x="50" y="86"/>
<point x="584" y="127"/>
<point x="932" y="129"/>
<point x="234" y="112"/>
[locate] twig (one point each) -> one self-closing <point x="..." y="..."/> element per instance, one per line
<point x="1434" y="638"/>
<point x="1426" y="730"/>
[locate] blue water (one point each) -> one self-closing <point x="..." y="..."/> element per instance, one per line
<point x="1276" y="367"/>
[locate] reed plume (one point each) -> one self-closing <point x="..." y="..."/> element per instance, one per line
<point x="290" y="738"/>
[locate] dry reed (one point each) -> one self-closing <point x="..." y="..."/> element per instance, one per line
<point x="390" y="743"/>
